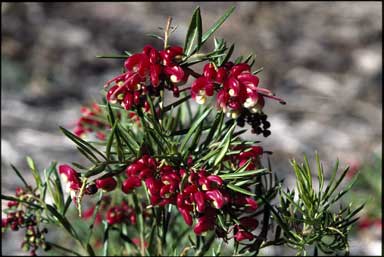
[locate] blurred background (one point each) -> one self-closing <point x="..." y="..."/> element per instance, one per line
<point x="323" y="58"/>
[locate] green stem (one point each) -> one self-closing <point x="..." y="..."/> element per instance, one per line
<point x="95" y="211"/>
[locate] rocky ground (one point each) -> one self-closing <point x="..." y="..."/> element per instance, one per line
<point x="324" y="59"/>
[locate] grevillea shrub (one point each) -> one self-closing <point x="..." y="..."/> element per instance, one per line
<point x="167" y="172"/>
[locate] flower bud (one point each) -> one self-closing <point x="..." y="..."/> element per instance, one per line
<point x="107" y="184"/>
<point x="130" y="183"/>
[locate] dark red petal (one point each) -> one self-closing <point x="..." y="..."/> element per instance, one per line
<point x="239" y="68"/>
<point x="186" y="215"/>
<point x="249" y="80"/>
<point x="209" y="71"/>
<point x="200" y="201"/>
<point x="134" y="169"/>
<point x="130" y="183"/>
<point x="216" y="179"/>
<point x="155" y="71"/>
<point x="216" y="197"/>
<point x="221" y="75"/>
<point x="128" y="101"/>
<point x="204" y="224"/>
<point x="243" y="235"/>
<point x="107" y="184"/>
<point x="110" y="94"/>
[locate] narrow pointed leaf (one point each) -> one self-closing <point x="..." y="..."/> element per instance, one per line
<point x="194" y="34"/>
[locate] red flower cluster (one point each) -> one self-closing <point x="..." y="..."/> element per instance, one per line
<point x="237" y="88"/>
<point x="141" y="169"/>
<point x="200" y="196"/>
<point x="146" y="72"/>
<point x="119" y="214"/>
<point x="115" y="214"/>
<point x="90" y="121"/>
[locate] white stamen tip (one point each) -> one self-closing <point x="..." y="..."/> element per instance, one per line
<point x="200" y="99"/>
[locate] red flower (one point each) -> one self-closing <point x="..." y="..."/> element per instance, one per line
<point x="241" y="235"/>
<point x="201" y="88"/>
<point x="71" y="177"/>
<point x="216" y="197"/>
<point x="171" y="55"/>
<point x="199" y="198"/>
<point x="205" y="222"/>
<point x="176" y="74"/>
<point x="138" y="63"/>
<point x="12" y="203"/>
<point x="108" y="184"/>
<point x="240" y="90"/>
<point x="115" y="215"/>
<point x="130" y="183"/>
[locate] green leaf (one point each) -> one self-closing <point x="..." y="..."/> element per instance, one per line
<point x="81" y="143"/>
<point x="105" y="238"/>
<point x="229" y="54"/>
<point x="67" y="204"/>
<point x="243" y="174"/>
<point x="337" y="183"/>
<point x="226" y="143"/>
<point x="63" y="220"/>
<point x="20" y="176"/>
<point x="193" y="129"/>
<point x="88" y="154"/>
<point x="110" y="141"/>
<point x="111" y="115"/>
<point x="258" y="71"/>
<point x="219" y="117"/>
<point x="194" y="34"/>
<point x="240" y="190"/>
<point x="130" y="136"/>
<point x="34" y="170"/>
<point x="217" y="24"/>
<point x="320" y="174"/>
<point x="96" y="170"/>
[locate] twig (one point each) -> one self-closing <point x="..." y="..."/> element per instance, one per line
<point x="166" y="33"/>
